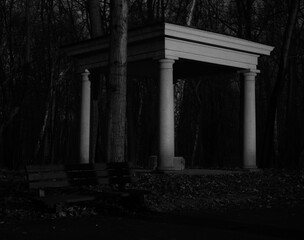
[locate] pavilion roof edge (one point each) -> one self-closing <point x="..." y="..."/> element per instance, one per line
<point x="192" y="34"/>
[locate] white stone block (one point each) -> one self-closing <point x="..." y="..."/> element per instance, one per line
<point x="179" y="163"/>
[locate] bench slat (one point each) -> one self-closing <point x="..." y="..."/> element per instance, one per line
<point x="61" y="167"/>
<point x="37" y="176"/>
<point x="103" y="181"/>
<point x="120" y="180"/>
<point x="44" y="168"/>
<point x="61" y="183"/>
<point x="49" y="184"/>
<point x="87" y="174"/>
<point x="86" y="166"/>
<point x="76" y="182"/>
<point x="119" y="172"/>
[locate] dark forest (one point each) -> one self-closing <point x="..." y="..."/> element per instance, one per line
<point x="39" y="89"/>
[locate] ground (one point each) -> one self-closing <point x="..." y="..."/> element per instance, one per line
<point x="271" y="198"/>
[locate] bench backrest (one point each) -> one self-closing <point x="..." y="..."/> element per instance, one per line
<point x="56" y="176"/>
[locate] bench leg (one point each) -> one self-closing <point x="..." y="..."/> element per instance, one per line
<point x="134" y="201"/>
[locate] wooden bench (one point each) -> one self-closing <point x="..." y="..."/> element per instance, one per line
<point x="61" y="184"/>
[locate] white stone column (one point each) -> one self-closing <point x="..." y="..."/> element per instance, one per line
<point x="166" y="115"/>
<point x="85" y="109"/>
<point x="249" y="120"/>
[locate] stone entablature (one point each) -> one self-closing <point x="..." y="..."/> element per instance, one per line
<point x="172" y="41"/>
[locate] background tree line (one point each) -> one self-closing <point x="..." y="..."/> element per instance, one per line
<point x="39" y="91"/>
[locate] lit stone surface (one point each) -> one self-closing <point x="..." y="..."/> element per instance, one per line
<point x="249" y="119"/>
<point x="85" y="117"/>
<point x="166" y="115"/>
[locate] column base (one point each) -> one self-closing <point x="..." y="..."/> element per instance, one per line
<point x="178" y="164"/>
<point x="165" y="169"/>
<point x="250" y="168"/>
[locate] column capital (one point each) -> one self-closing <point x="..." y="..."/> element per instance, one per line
<point x="85" y="75"/>
<point x="166" y="60"/>
<point x="249" y="72"/>
<point x="85" y="72"/>
<point x="165" y="57"/>
<point x="166" y="63"/>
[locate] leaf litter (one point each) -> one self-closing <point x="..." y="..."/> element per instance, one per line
<point x="262" y="190"/>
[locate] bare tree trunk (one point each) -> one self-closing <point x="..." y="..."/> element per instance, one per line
<point x="244" y="18"/>
<point x="268" y="146"/>
<point x="26" y="123"/>
<point x="247" y="18"/>
<point x="117" y="85"/>
<point x="95" y="18"/>
<point x="190" y="13"/>
<point x="46" y="138"/>
<point x="198" y="124"/>
<point x="96" y="30"/>
<point x="131" y="124"/>
<point x="162" y="11"/>
<point x="150" y="10"/>
<point x="27" y="24"/>
<point x="197" y="136"/>
<point x="199" y="117"/>
<point x="3" y="100"/>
